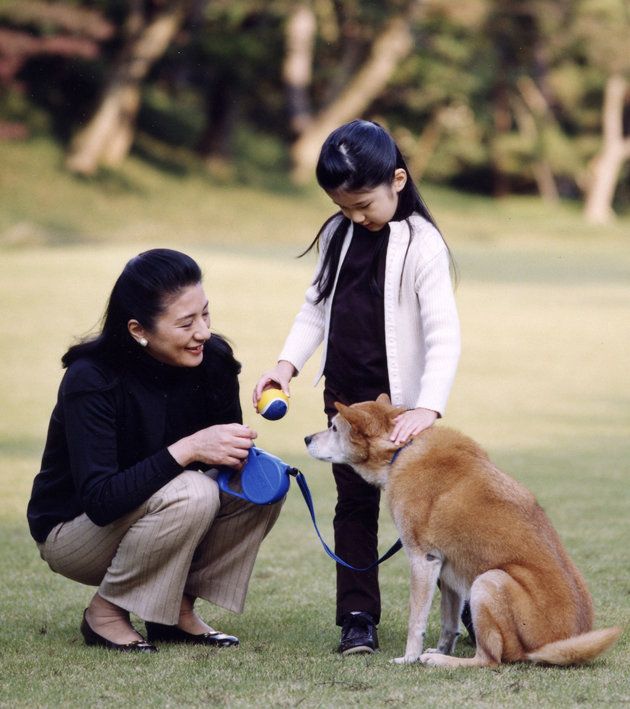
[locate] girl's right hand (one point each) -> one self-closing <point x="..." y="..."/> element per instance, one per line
<point x="225" y="444"/>
<point x="280" y="375"/>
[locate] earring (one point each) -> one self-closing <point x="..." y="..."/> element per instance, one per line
<point x="143" y="342"/>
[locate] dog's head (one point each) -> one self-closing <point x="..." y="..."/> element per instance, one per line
<point x="359" y="436"/>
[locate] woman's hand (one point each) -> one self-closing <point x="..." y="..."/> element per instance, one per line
<point x="411" y="423"/>
<point x="281" y="375"/>
<point x="226" y="444"/>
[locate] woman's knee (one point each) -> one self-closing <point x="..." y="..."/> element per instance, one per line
<point x="195" y="494"/>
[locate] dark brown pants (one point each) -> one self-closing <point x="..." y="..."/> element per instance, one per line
<point x="356" y="534"/>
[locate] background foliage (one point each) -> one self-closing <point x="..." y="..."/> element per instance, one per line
<point x="489" y="96"/>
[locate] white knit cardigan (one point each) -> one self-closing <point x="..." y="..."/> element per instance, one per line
<point x="422" y="337"/>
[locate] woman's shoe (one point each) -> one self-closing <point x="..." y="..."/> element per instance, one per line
<point x="156" y="632"/>
<point x="93" y="638"/>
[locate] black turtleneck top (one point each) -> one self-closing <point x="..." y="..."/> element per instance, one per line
<point x="106" y="449"/>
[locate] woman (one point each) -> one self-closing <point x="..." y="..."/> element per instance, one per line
<point x="123" y="501"/>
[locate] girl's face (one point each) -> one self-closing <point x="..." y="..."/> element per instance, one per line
<point x="179" y="333"/>
<point x="371" y="208"/>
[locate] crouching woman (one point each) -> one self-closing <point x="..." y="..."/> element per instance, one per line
<point x="123" y="500"/>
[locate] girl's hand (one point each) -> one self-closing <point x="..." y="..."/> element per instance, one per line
<point x="281" y="375"/>
<point x="411" y="423"/>
<point x="226" y="444"/>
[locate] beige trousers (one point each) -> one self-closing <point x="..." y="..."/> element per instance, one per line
<point x="186" y="538"/>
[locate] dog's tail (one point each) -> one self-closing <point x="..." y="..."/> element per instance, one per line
<point x="576" y="650"/>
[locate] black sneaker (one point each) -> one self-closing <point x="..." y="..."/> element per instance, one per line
<point x="358" y="634"/>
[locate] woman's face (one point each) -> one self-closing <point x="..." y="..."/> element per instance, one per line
<point x="371" y="208"/>
<point x="179" y="333"/>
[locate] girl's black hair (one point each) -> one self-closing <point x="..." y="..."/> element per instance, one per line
<point x="140" y="293"/>
<point x="360" y="155"/>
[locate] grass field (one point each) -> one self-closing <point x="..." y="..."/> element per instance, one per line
<point x="543" y="384"/>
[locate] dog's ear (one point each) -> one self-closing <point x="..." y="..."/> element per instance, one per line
<point x="384" y="399"/>
<point x="357" y="418"/>
<point x="341" y="408"/>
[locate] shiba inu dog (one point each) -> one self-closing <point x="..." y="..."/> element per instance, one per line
<point x="481" y="533"/>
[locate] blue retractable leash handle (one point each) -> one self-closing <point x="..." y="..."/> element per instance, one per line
<point x="265" y="479"/>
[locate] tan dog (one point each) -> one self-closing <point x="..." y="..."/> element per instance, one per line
<point x="463" y="521"/>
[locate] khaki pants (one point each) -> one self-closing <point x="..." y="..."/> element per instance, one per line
<point x="186" y="538"/>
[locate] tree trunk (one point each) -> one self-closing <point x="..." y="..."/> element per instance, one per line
<point x="541" y="119"/>
<point x="216" y="142"/>
<point x="106" y="139"/>
<point x="389" y="49"/>
<point x="614" y="152"/>
<point x="297" y="70"/>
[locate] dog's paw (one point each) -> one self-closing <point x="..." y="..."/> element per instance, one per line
<point x="405" y="660"/>
<point x="432" y="658"/>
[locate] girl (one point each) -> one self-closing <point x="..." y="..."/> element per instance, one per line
<point x="382" y="304"/>
<point x="122" y="501"/>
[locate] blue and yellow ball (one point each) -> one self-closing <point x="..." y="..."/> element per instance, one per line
<point x="273" y="404"/>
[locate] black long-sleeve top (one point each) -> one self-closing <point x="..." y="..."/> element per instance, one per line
<point x="356" y="357"/>
<point x="106" y="449"/>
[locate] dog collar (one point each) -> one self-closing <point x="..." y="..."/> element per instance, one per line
<point x="397" y="452"/>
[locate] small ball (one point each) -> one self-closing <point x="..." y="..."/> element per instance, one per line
<point x="273" y="404"/>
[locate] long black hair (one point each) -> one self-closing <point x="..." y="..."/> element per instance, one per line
<point x="360" y="155"/>
<point x="140" y="293"/>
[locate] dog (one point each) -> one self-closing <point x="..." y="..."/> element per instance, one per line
<point x="481" y="533"/>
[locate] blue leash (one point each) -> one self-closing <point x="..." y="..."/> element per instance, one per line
<point x="306" y="493"/>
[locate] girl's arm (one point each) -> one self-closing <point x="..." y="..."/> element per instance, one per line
<point x="440" y="327"/>
<point x="305" y="336"/>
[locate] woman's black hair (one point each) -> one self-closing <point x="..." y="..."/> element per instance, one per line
<point x="360" y="155"/>
<point x="140" y="293"/>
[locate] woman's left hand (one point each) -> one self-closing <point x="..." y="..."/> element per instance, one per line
<point x="411" y="423"/>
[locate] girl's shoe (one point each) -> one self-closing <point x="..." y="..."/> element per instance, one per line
<point x="93" y="638"/>
<point x="358" y="634"/>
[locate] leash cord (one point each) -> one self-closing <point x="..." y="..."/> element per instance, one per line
<point x="306" y="494"/>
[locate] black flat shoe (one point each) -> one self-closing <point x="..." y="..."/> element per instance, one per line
<point x="156" y="632"/>
<point x="92" y="638"/>
<point x="358" y="634"/>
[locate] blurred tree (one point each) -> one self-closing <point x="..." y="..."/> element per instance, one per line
<point x="34" y="31"/>
<point x="388" y="43"/>
<point x="107" y="136"/>
<point x="496" y="96"/>
<point x="297" y="70"/>
<point x="437" y="101"/>
<point x="236" y="49"/>
<point x="604" y="28"/>
<point x="35" y="27"/>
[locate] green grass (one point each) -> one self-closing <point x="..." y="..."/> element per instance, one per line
<point x="542" y="384"/>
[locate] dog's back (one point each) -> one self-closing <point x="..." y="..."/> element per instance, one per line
<point x="445" y="494"/>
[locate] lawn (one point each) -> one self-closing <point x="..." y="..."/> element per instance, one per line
<point x="543" y="385"/>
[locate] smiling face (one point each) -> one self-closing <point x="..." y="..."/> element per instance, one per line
<point x="180" y="331"/>
<point x="371" y="208"/>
